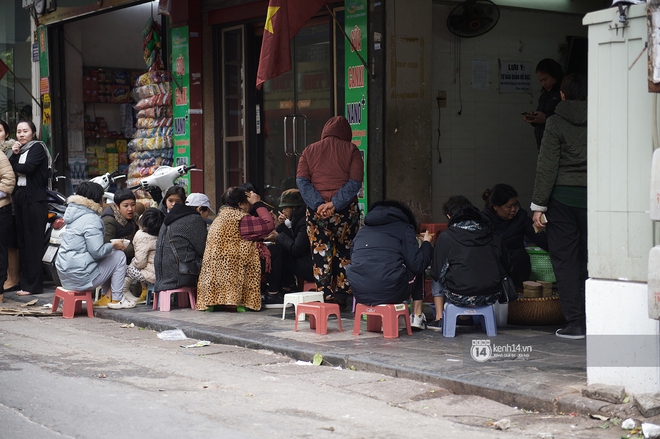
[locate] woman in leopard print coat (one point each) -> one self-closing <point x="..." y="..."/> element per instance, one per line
<point x="231" y="271"/>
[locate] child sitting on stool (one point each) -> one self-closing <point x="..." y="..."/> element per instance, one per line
<point x="141" y="269"/>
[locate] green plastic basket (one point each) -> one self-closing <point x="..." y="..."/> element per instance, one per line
<point x="541" y="265"/>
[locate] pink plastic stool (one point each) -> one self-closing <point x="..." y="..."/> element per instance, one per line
<point x="183" y="295"/>
<point x="72" y="302"/>
<point x="309" y="286"/>
<point x="386" y="316"/>
<point x="318" y="313"/>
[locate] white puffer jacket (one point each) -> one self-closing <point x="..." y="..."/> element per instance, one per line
<point x="145" y="252"/>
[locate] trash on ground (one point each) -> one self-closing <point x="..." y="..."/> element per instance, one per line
<point x="172" y="335"/>
<point x="35" y="312"/>
<point x="31" y="302"/>
<point x="502" y="424"/>
<point x="650" y="431"/>
<point x="199" y="344"/>
<point x="318" y="359"/>
<point x="46" y="305"/>
<point x="304" y="363"/>
<point x="128" y="325"/>
<point x="600" y="417"/>
<point x="628" y="424"/>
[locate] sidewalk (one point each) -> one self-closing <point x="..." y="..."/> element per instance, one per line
<point x="548" y="379"/>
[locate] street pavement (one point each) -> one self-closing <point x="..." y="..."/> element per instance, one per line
<point x="529" y="367"/>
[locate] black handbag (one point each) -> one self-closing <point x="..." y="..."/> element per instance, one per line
<point x="188" y="273"/>
<point x="509" y="293"/>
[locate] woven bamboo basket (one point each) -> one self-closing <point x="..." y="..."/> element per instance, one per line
<point x="537" y="311"/>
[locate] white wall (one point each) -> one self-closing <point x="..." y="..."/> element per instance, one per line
<point x="489" y="143"/>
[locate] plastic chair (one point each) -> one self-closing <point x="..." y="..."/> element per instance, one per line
<point x="451" y="312"/>
<point x="302" y="297"/>
<point x="150" y="290"/>
<point x="382" y="316"/>
<point x="183" y="295"/>
<point x="318" y="312"/>
<point x="72" y="302"/>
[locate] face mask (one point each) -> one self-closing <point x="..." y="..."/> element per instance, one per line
<point x="287" y="223"/>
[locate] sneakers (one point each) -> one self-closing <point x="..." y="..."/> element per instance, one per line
<point x="571" y="332"/>
<point x="102" y="302"/>
<point x="273" y="301"/>
<point x="122" y="304"/>
<point x="418" y="322"/>
<point x="435" y="325"/>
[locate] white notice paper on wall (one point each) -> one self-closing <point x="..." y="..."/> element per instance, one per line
<point x="515" y="77"/>
<point x="479" y="74"/>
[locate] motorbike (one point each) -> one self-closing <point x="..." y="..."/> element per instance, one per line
<point x="105" y="181"/>
<point x="161" y="180"/>
<point x="54" y="228"/>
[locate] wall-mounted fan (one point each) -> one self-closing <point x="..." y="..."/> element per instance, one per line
<point x="473" y="18"/>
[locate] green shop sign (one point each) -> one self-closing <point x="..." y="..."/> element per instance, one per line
<point x="181" y="107"/>
<point x="356" y="83"/>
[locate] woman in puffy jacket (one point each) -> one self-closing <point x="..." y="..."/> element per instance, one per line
<point x="387" y="263"/>
<point x="84" y="261"/>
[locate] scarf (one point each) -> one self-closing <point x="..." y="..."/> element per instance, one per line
<point x="30" y="144"/>
<point x="25" y="148"/>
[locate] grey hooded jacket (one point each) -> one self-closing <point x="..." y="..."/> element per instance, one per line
<point x="82" y="244"/>
<point x="562" y="159"/>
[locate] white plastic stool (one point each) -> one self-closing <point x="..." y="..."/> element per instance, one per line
<point x="302" y="297"/>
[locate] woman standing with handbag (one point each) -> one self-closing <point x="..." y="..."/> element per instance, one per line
<point x="184" y="232"/>
<point x="30" y="161"/>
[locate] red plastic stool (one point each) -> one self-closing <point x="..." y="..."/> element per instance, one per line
<point x="72" y="302"/>
<point x="309" y="286"/>
<point x="318" y="313"/>
<point x="386" y="316"/>
<point x="183" y="295"/>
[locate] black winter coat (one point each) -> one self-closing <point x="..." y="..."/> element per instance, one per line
<point x="466" y="256"/>
<point x="514" y="231"/>
<point x="188" y="234"/>
<point x="547" y="103"/>
<point x="295" y="242"/>
<point x="382" y="254"/>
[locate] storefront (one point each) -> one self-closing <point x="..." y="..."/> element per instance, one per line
<point x="18" y="55"/>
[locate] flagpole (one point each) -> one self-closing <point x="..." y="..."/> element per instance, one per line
<point x="364" y="63"/>
<point x="21" y="84"/>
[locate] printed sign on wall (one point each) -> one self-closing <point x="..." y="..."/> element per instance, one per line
<point x="515" y="77"/>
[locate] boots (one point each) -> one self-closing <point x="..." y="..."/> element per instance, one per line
<point x="127" y="290"/>
<point x="12" y="270"/>
<point x="143" y="295"/>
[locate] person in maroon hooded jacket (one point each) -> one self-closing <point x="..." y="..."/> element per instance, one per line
<point x="329" y="177"/>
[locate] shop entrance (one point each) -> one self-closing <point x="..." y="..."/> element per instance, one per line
<point x="297" y="104"/>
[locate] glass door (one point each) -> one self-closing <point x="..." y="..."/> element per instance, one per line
<point x="233" y="107"/>
<point x="296" y="106"/>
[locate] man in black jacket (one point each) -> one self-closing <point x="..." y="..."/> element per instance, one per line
<point x="465" y="263"/>
<point x="387" y="262"/>
<point x="291" y="254"/>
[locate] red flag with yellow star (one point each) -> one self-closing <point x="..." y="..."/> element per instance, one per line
<point x="3" y="69"/>
<point x="283" y="21"/>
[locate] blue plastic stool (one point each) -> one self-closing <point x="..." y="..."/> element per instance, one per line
<point x="150" y="292"/>
<point x="451" y="312"/>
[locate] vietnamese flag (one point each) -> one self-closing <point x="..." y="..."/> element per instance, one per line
<point x="283" y="21"/>
<point x="3" y="69"/>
